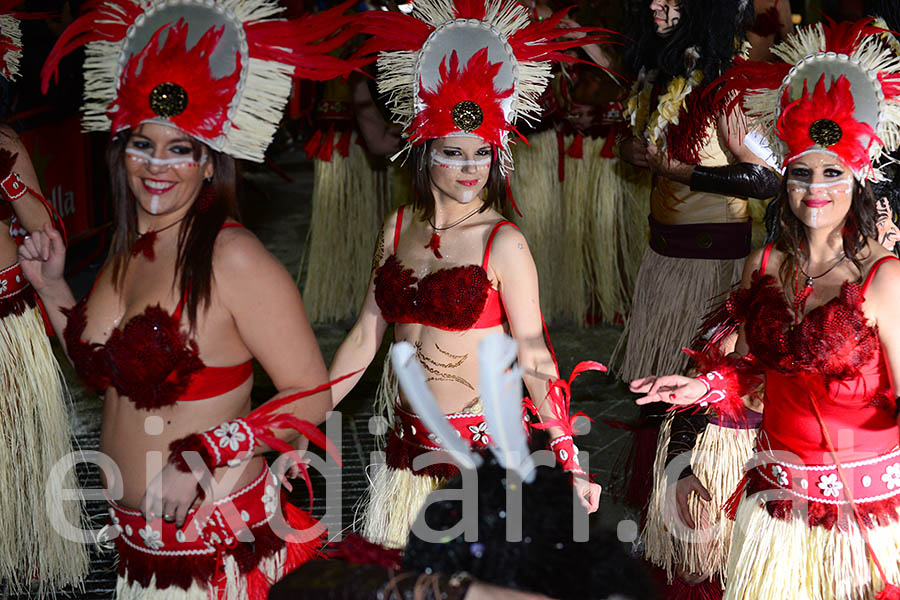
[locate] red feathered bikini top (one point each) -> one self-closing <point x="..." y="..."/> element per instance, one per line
<point x="150" y="360"/>
<point x="833" y="340"/>
<point x="454" y="299"/>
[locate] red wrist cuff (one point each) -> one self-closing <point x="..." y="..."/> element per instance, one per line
<point x="566" y="453"/>
<point x="228" y="444"/>
<point x="12" y="186"/>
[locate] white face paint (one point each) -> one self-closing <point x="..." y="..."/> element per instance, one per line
<point x="451" y="163"/>
<point x="839" y="185"/>
<point x="163" y="174"/>
<point x="177" y="163"/>
<point x="459" y="167"/>
<point x="819" y="189"/>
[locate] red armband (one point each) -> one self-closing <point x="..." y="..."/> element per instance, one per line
<point x="13" y="187"/>
<point x="228" y="444"/>
<point x="566" y="453"/>
<point x="727" y="380"/>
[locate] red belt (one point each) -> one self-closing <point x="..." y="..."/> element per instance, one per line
<point x="873" y="480"/>
<point x="410" y="438"/>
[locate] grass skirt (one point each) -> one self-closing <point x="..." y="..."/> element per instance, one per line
<point x="605" y="231"/>
<point x="717" y="461"/>
<point x="349" y="202"/>
<point x="586" y="233"/>
<point x="785" y="559"/>
<point x="395" y="498"/>
<point x="35" y="436"/>
<point x="538" y="194"/>
<point x="671" y="297"/>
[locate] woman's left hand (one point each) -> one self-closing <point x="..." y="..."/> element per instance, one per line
<point x="673" y="389"/>
<point x="170" y="495"/>
<point x="588" y="492"/>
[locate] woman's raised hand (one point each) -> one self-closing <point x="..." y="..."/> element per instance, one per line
<point x="672" y="389"/>
<point x="43" y="257"/>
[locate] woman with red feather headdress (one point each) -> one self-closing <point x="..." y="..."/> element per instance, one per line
<point x="819" y="326"/>
<point x="36" y="459"/>
<point x="188" y="297"/>
<point x="449" y="270"/>
<point x="704" y="170"/>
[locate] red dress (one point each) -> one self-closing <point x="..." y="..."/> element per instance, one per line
<point x="832" y="362"/>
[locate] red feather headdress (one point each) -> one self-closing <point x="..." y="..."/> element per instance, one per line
<point x="854" y="109"/>
<point x="220" y="70"/>
<point x="467" y="66"/>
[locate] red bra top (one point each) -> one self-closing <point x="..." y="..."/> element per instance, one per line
<point x="832" y="354"/>
<point x="150" y="360"/>
<point x="453" y="299"/>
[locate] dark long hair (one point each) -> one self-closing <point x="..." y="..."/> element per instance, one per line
<point x="786" y="230"/>
<point x="193" y="265"/>
<point x="423" y="198"/>
<point x="715" y="28"/>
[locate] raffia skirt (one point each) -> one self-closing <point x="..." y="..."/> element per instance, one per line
<point x="797" y="538"/>
<point x="587" y="233"/>
<point x="717" y="461"/>
<point x="350" y="199"/>
<point x="780" y="559"/>
<point x="36" y="458"/>
<point x="671" y="297"/>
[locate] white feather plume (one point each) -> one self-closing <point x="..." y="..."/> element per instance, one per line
<point x="500" y="385"/>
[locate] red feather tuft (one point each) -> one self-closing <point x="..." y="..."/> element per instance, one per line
<point x="691" y="133"/>
<point x="300" y="44"/>
<point x="533" y="42"/>
<point x="890" y="592"/>
<point x="844" y="37"/>
<point x="392" y="32"/>
<point x="208" y="98"/>
<point x="739" y="377"/>
<point x="100" y="22"/>
<point x="475" y="82"/>
<point x="559" y="395"/>
<point x="890" y="85"/>
<point x="745" y="77"/>
<point x="835" y="104"/>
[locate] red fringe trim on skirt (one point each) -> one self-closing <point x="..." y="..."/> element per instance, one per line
<point x="400" y="455"/>
<point x="183" y="571"/>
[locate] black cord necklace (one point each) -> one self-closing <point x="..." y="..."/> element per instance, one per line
<point x="800" y="296"/>
<point x="435" y="242"/>
<point x="145" y="241"/>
